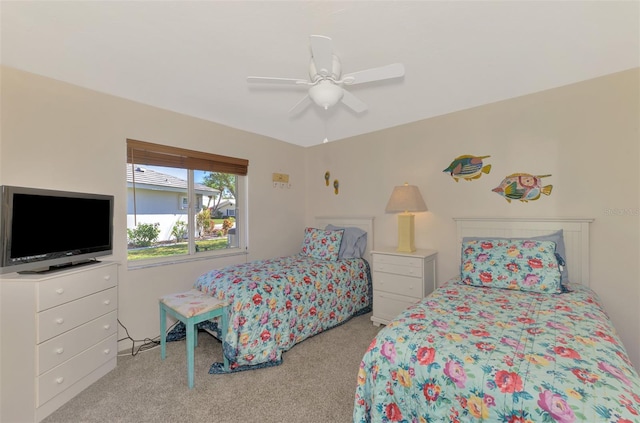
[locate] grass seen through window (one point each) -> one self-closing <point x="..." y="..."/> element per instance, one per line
<point x="175" y="249"/>
<point x="148" y="247"/>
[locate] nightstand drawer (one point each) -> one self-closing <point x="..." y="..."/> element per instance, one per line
<point x="388" y="306"/>
<point x="398" y="260"/>
<point x="398" y="284"/>
<point x="399" y="269"/>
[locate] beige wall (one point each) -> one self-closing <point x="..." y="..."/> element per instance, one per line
<point x="585" y="135"/>
<point x="58" y="136"/>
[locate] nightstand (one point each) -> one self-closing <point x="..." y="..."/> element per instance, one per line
<point x="400" y="280"/>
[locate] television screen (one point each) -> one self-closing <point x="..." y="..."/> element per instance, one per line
<point x="43" y="229"/>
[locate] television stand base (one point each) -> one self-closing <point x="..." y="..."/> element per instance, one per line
<point x="57" y="267"/>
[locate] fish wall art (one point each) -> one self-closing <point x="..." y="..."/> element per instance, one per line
<point x="468" y="167"/>
<point x="522" y="186"/>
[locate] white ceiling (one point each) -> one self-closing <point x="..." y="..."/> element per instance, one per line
<point x="194" y="57"/>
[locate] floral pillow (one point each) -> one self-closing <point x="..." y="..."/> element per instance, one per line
<point x="322" y="243"/>
<point x="524" y="265"/>
<point x="557" y="237"/>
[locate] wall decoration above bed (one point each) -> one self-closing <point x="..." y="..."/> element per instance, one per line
<point x="522" y="186"/>
<point x="468" y="167"/>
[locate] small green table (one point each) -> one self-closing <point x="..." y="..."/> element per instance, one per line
<point x="192" y="307"/>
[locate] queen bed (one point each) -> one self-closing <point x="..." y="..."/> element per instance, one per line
<point x="277" y="303"/>
<point x="516" y="337"/>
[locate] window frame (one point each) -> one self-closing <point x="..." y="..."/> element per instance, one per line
<point x="145" y="153"/>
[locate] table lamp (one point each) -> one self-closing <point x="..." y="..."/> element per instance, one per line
<point x="404" y="200"/>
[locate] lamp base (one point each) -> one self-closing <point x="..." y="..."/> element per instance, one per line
<point x="406" y="225"/>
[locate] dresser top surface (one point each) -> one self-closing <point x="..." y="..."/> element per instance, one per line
<point x="63" y="272"/>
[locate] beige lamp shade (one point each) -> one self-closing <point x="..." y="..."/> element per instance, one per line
<point x="405" y="199"/>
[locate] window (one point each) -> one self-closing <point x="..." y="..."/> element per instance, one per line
<point x="182" y="203"/>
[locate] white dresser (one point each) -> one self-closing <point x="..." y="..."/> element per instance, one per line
<point x="59" y="335"/>
<point x="399" y="280"/>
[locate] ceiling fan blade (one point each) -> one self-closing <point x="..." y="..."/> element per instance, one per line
<point x="301" y="105"/>
<point x="322" y="54"/>
<point x="269" y="79"/>
<point x="353" y="102"/>
<point x="395" y="70"/>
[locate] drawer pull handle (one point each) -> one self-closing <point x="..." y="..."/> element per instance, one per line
<point x="59" y="320"/>
<point x="107" y="277"/>
<point x="107" y="302"/>
<point x="107" y="327"/>
<point x="59" y="380"/>
<point x="107" y="351"/>
<point x="59" y="291"/>
<point x="59" y="351"/>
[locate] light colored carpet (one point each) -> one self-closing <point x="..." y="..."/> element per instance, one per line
<point x="314" y="384"/>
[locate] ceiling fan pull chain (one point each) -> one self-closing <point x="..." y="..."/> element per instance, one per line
<point x="326" y="118"/>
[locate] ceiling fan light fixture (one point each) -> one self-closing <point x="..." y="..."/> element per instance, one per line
<point x="326" y="94"/>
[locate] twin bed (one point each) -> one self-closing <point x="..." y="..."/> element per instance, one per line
<point x="515" y="338"/>
<point x="274" y="304"/>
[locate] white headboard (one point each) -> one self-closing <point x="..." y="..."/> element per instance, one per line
<point x="575" y="230"/>
<point x="363" y="222"/>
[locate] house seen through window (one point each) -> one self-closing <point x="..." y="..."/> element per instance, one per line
<point x="180" y="209"/>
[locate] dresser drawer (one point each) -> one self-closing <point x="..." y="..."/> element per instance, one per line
<point x="53" y="382"/>
<point x="60" y="290"/>
<point x="387" y="306"/>
<point x="61" y="348"/>
<point x="57" y="320"/>
<point x="398" y="284"/>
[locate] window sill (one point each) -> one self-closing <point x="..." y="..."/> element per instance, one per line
<point x="145" y="264"/>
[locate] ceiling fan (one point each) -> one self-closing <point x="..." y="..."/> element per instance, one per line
<point x="326" y="82"/>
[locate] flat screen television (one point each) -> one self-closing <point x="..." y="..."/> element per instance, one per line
<point x="45" y="230"/>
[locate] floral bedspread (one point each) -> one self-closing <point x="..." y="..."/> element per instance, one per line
<point x="277" y="303"/>
<point x="484" y="354"/>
